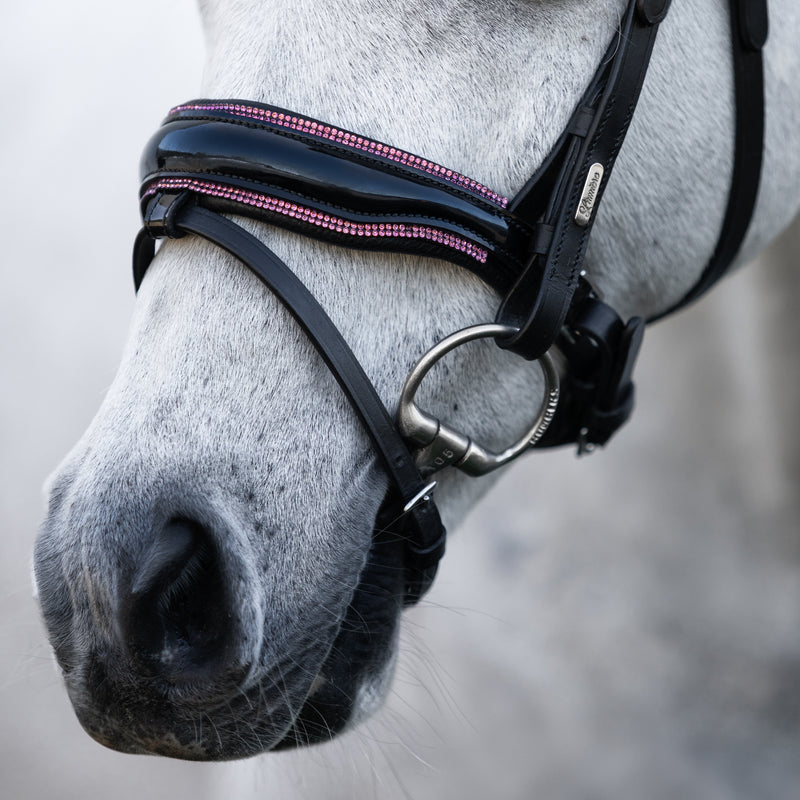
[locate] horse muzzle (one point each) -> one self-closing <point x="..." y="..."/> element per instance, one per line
<point x="170" y="644"/>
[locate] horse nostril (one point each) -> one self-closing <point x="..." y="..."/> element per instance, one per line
<point x="174" y="620"/>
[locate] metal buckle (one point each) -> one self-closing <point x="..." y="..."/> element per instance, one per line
<point x="444" y="446"/>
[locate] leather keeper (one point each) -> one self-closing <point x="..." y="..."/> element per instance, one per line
<point x="753" y="22"/>
<point x="160" y="213"/>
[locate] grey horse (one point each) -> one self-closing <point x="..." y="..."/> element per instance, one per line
<point x="224" y="436"/>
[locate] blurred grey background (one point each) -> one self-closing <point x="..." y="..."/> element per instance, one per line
<point x="623" y="626"/>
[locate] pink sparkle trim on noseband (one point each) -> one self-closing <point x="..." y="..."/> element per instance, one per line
<point x="318" y="218"/>
<point x="283" y="120"/>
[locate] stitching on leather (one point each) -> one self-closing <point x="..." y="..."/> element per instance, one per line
<point x="490" y="248"/>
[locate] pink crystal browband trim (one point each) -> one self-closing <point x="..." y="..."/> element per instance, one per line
<point x="318" y="218"/>
<point x="289" y="121"/>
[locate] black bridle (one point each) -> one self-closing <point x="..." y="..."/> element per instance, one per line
<point x="228" y="156"/>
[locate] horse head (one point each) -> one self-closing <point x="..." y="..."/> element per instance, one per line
<point x="205" y="568"/>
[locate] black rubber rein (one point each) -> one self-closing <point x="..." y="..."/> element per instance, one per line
<point x="416" y="518"/>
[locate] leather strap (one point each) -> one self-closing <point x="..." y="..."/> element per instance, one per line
<point x="420" y="525"/>
<point x="539" y="302"/>
<point x="749" y="29"/>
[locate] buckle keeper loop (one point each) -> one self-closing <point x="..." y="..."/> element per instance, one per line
<point x="159" y="216"/>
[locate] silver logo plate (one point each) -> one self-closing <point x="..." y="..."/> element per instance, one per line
<point x="589" y="195"/>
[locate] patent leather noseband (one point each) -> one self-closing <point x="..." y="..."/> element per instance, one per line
<point x="215" y="157"/>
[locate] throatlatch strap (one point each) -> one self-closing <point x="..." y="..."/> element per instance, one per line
<point x="418" y="524"/>
<point x="749" y="29"/>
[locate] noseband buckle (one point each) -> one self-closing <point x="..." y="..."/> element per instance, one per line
<point x="443" y="446"/>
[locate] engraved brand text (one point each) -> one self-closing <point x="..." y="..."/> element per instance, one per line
<point x="589" y="195"/>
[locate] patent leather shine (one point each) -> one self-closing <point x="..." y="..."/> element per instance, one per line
<point x="355" y="186"/>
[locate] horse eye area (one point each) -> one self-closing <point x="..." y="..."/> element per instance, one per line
<point x="174" y="620"/>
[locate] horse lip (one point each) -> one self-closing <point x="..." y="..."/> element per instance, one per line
<point x="170" y="727"/>
<point x="195" y="697"/>
<point x="368" y="632"/>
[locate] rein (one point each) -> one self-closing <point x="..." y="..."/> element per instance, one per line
<point x="212" y="157"/>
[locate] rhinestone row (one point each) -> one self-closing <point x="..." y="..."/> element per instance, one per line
<point x="318" y="218"/>
<point x="312" y="128"/>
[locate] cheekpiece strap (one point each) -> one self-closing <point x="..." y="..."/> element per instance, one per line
<point x="410" y="514"/>
<point x="565" y="193"/>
